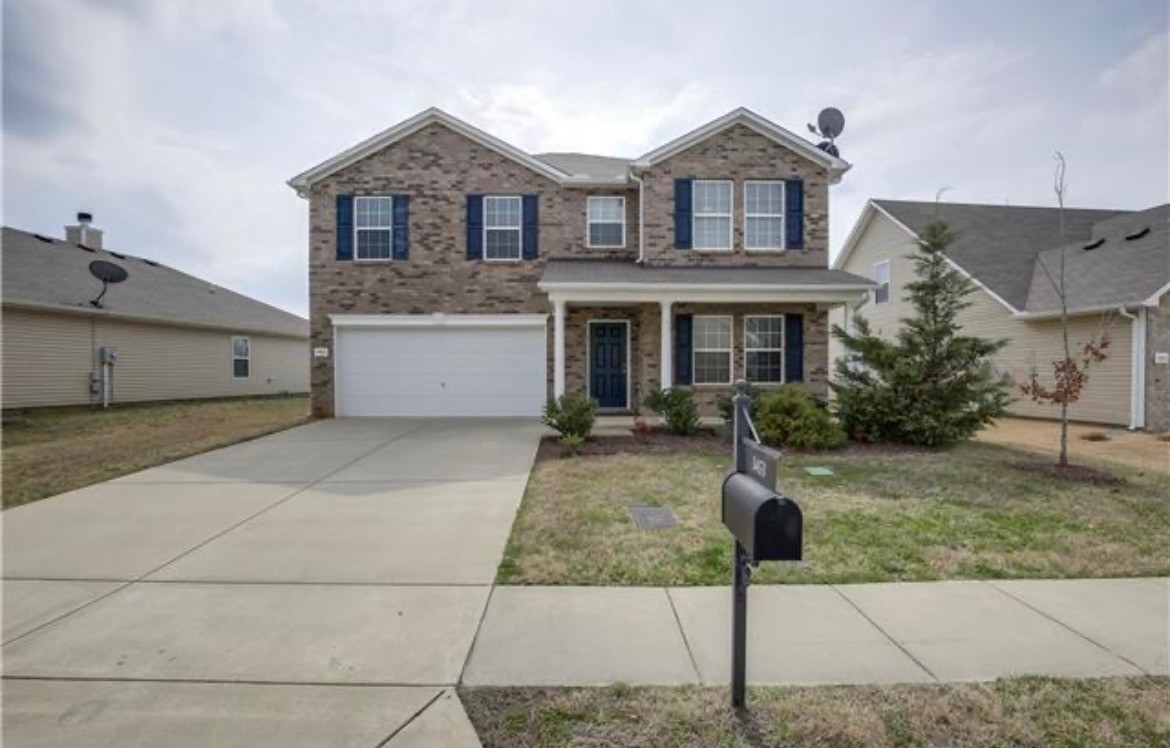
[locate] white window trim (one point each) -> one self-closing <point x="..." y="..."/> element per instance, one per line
<point x="783" y="222"/>
<point x="783" y="353"/>
<point x="730" y="350"/>
<point x="389" y="228"/>
<point x="729" y="216"/>
<point x="588" y="223"/>
<point x="889" y="281"/>
<point x="519" y="229"/>
<point x="236" y="358"/>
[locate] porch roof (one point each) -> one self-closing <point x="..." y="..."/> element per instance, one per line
<point x="607" y="280"/>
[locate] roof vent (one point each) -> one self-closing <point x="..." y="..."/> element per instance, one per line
<point x="83" y="233"/>
<point x="1137" y="235"/>
<point x="87" y="249"/>
<point x="152" y="263"/>
<point x="1094" y="245"/>
<point x="45" y="239"/>
<point x="119" y="256"/>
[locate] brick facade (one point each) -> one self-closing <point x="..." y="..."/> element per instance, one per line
<point x="439" y="167"/>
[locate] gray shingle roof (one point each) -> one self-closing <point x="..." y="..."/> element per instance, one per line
<point x="1119" y="271"/>
<point x="998" y="244"/>
<point x="584" y="165"/>
<point x="54" y="274"/>
<point x="607" y="271"/>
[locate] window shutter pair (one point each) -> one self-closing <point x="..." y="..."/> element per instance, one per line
<point x="793" y="213"/>
<point x="400" y="229"/>
<point x="529" y="227"/>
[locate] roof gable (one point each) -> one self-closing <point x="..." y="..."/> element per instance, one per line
<point x="743" y="116"/>
<point x="350" y="156"/>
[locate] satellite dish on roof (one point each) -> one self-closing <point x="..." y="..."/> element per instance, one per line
<point x="830" y="123"/>
<point x="107" y="273"/>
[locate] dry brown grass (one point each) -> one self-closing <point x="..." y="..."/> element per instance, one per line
<point x="52" y="450"/>
<point x="973" y="512"/>
<point x="1120" y="447"/>
<point x="1024" y="712"/>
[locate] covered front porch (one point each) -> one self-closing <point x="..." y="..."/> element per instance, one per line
<point x="621" y="330"/>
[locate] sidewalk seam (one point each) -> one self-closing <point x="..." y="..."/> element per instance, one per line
<point x="213" y="538"/>
<point x="682" y="632"/>
<point x="883" y="632"/>
<point x="1067" y="627"/>
<point x="412" y="718"/>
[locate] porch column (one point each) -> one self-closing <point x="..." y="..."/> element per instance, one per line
<point x="666" y="355"/>
<point x="558" y="348"/>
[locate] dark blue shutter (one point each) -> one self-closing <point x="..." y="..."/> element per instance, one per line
<point x="344" y="222"/>
<point x="531" y="222"/>
<point x="794" y="214"/>
<point x="682" y="213"/>
<point x="475" y="227"/>
<point x="682" y="349"/>
<point x="793" y="348"/>
<point x="401" y="246"/>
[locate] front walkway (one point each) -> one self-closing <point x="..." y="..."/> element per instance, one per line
<point x="819" y="635"/>
<point x="321" y="586"/>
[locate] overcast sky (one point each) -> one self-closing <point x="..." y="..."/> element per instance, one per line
<point x="178" y="123"/>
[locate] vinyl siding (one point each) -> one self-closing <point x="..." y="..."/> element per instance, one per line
<point x="1033" y="344"/>
<point x="47" y="359"/>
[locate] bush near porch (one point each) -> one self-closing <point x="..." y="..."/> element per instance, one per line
<point x="975" y="511"/>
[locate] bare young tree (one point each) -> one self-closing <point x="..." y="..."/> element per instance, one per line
<point x="1069" y="375"/>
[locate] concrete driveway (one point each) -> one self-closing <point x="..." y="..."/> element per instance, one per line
<point x="321" y="586"/>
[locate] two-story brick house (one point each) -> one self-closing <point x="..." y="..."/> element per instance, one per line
<point x="453" y="274"/>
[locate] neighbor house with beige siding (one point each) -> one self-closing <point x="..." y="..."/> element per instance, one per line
<point x="158" y="335"/>
<point x="1117" y="265"/>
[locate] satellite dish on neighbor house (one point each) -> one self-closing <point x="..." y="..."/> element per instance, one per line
<point x="830" y="123"/>
<point x="107" y="273"/>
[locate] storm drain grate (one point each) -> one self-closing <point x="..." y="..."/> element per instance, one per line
<point x="653" y="517"/>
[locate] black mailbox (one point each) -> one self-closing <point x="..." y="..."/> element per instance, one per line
<point x="767" y="525"/>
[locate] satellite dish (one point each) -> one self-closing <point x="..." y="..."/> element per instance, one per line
<point x="107" y="273"/>
<point x="830" y="122"/>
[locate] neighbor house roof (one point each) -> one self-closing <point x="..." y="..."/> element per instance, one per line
<point x="564" y="272"/>
<point x="1125" y="262"/>
<point x="51" y="274"/>
<point x="567" y="168"/>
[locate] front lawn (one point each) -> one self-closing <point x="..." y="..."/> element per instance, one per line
<point x="886" y="514"/>
<point x="1010" y="712"/>
<point x="51" y="450"/>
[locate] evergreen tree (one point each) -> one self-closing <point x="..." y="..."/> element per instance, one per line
<point x="931" y="386"/>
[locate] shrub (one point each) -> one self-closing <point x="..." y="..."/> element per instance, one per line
<point x="571" y="444"/>
<point x="571" y="415"/>
<point x="789" y="417"/>
<point x="677" y="408"/>
<point x="723" y="403"/>
<point x="1095" y="436"/>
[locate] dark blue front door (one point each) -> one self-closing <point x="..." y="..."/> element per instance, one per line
<point x="608" y="362"/>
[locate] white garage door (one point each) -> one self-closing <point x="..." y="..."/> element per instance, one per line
<point x="456" y="368"/>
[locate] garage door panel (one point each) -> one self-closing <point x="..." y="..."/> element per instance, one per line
<point x="452" y="371"/>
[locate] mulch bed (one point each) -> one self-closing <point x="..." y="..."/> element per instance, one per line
<point x="707" y="441"/>
<point x="1076" y="473"/>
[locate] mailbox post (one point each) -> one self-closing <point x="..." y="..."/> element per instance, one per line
<point x="765" y="525"/>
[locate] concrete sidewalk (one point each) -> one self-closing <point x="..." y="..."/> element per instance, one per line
<point x="820" y="635"/>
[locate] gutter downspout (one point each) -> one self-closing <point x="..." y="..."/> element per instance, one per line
<point x="641" y="212"/>
<point x="1137" y="367"/>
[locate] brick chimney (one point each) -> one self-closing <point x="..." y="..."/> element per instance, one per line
<point x="83" y="232"/>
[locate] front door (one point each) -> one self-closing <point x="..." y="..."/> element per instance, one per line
<point x="608" y="364"/>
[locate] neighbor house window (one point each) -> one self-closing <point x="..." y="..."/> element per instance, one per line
<point x="501" y="227"/>
<point x="606" y="219"/>
<point x="763" y="348"/>
<point x="241" y="358"/>
<point x="372" y="218"/>
<point x="881" y="274"/>
<point x="711" y="215"/>
<point x="763" y="215"/>
<point x="712" y="350"/>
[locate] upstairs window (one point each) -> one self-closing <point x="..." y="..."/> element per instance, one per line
<point x="881" y="274"/>
<point x="241" y="358"/>
<point x="711" y="362"/>
<point x="501" y="227"/>
<point x="763" y="346"/>
<point x="712" y="203"/>
<point x="763" y="219"/>
<point x="606" y="222"/>
<point x="372" y="225"/>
